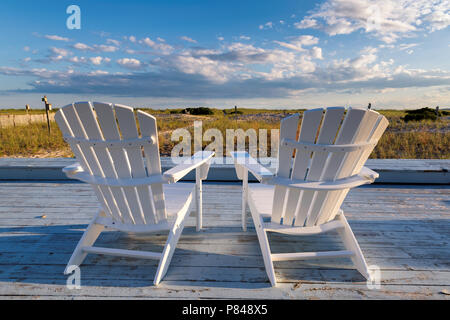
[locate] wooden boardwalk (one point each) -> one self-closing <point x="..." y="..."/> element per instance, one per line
<point x="405" y="230"/>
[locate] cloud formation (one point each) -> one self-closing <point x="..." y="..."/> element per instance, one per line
<point x="388" y="20"/>
<point x="277" y="64"/>
<point x="56" y="38"/>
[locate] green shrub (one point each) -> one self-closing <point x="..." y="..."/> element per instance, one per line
<point x="421" y="114"/>
<point x="199" y="111"/>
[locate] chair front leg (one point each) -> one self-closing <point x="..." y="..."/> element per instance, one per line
<point x="351" y="244"/>
<point x="244" y="199"/>
<point x="89" y="236"/>
<point x="171" y="243"/>
<point x="199" y="198"/>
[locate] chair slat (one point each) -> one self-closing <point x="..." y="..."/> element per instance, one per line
<point x="127" y="198"/>
<point x="310" y="204"/>
<point x="127" y="124"/>
<point x="308" y="132"/>
<point x="149" y="128"/>
<point x="378" y="129"/>
<point x="92" y="130"/>
<point x="288" y="130"/>
<point x="102" y="193"/>
<point x="331" y="201"/>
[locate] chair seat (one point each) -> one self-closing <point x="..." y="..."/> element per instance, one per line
<point x="176" y="195"/>
<point x="262" y="197"/>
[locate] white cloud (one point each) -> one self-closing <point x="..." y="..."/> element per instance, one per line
<point x="267" y="25"/>
<point x="130" y="63"/>
<point x="220" y="38"/>
<point x="406" y="46"/>
<point x="57" y="54"/>
<point x="56" y="38"/>
<point x="78" y="60"/>
<point x="298" y="42"/>
<point x="388" y="20"/>
<point x="95" y="48"/>
<point x="185" y="38"/>
<point x="98" y="72"/>
<point x="132" y="39"/>
<point x="306" y="23"/>
<point x="105" y="48"/>
<point x="214" y="70"/>
<point x="114" y="42"/>
<point x="82" y="47"/>
<point x="159" y="47"/>
<point x="96" y="60"/>
<point x="316" y="53"/>
<point x="26" y="48"/>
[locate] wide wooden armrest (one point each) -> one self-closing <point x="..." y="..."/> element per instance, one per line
<point x="366" y="176"/>
<point x="72" y="169"/>
<point x="369" y="173"/>
<point x="243" y="160"/>
<point x="201" y="158"/>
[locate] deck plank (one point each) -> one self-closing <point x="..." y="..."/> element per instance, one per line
<point x="405" y="230"/>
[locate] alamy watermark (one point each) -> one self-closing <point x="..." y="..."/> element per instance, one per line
<point x="74" y="278"/>
<point x="256" y="142"/>
<point x="375" y="278"/>
<point x="74" y="20"/>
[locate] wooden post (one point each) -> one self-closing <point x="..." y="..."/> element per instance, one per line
<point x="47" y="108"/>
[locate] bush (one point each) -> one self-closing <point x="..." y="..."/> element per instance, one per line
<point x="199" y="111"/>
<point x="421" y="114"/>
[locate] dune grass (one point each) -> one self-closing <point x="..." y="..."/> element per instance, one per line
<point x="402" y="140"/>
<point x="32" y="140"/>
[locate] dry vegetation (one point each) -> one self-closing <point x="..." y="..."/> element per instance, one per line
<point x="424" y="139"/>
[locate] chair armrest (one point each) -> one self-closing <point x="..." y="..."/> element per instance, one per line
<point x="201" y="158"/>
<point x="243" y="160"/>
<point x="72" y="169"/>
<point x="369" y="174"/>
<point x="366" y="176"/>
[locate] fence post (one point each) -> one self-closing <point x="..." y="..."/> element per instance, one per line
<point x="47" y="108"/>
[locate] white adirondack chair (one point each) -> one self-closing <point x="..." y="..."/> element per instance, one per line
<point x="124" y="170"/>
<point x="305" y="195"/>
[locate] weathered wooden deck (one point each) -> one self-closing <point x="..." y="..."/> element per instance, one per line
<point x="405" y="230"/>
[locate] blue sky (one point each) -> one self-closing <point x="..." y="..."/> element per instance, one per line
<point x="269" y="54"/>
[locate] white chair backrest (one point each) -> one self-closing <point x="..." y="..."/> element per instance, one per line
<point x="107" y="144"/>
<point x="355" y="131"/>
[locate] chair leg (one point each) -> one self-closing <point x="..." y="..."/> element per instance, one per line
<point x="351" y="244"/>
<point x="244" y="200"/>
<point x="89" y="236"/>
<point x="199" y="199"/>
<point x="167" y="253"/>
<point x="265" y="249"/>
<point x="171" y="243"/>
